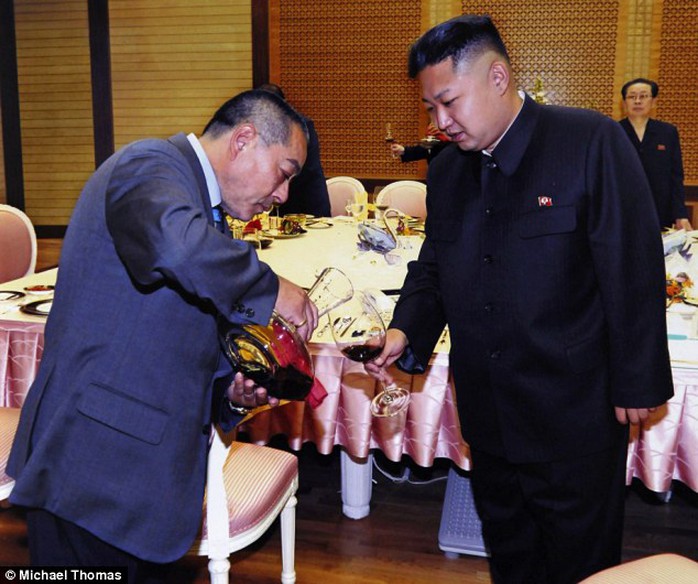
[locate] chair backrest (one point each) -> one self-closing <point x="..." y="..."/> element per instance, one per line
<point x="9" y="418"/>
<point x="18" y="244"/>
<point x="342" y="188"/>
<point x="408" y="196"/>
<point x="248" y="487"/>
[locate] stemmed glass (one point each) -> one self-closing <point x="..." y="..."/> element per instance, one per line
<point x="359" y="333"/>
<point x="389" y="139"/>
<point x="355" y="208"/>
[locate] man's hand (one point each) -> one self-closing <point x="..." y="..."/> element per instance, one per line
<point x="683" y="223"/>
<point x="244" y="392"/>
<point x="633" y="415"/>
<point x="294" y="305"/>
<point x="395" y="343"/>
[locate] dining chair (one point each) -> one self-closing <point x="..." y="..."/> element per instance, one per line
<point x="248" y="487"/>
<point x="9" y="418"/>
<point x="408" y="196"/>
<point x="340" y="189"/>
<point x="18" y="244"/>
<point x="657" y="569"/>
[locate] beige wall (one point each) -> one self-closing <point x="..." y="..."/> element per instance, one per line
<point x="174" y="62"/>
<point x="53" y="68"/>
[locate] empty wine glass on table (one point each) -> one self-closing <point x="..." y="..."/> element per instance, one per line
<point x="359" y="333"/>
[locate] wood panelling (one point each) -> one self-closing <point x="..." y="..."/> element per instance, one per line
<point x="678" y="100"/>
<point x="344" y="65"/>
<point x="53" y="64"/>
<point x="174" y="62"/>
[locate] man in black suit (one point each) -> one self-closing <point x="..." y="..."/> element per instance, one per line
<point x="543" y="256"/>
<point x="659" y="148"/>
<point x="308" y="192"/>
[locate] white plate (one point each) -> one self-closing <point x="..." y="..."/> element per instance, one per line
<point x="39" y="307"/>
<point x="9" y="295"/>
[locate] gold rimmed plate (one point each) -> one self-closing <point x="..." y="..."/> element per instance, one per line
<point x="280" y="235"/>
<point x="37" y="308"/>
<point x="318" y="224"/>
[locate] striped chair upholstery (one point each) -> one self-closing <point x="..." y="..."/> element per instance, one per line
<point x="9" y="417"/>
<point x="248" y="487"/>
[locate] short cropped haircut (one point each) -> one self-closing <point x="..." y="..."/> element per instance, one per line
<point x="653" y="85"/>
<point x="271" y="116"/>
<point x="273" y="88"/>
<point x="463" y="38"/>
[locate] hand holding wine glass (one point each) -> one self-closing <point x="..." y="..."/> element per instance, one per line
<point x="389" y="140"/>
<point x="359" y="333"/>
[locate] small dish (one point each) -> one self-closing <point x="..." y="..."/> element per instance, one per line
<point x="40" y="289"/>
<point x="280" y="235"/>
<point x="264" y="242"/>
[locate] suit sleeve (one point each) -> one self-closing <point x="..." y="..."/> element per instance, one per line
<point x="628" y="261"/>
<point x="413" y="153"/>
<point x="678" y="197"/>
<point x="163" y="237"/>
<point x="419" y="312"/>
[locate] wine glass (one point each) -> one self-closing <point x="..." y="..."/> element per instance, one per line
<point x="389" y="139"/>
<point x="359" y="333"/>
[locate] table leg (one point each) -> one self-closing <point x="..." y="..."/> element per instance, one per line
<point x="357" y="483"/>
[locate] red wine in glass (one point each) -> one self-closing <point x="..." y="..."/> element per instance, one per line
<point x="359" y="333"/>
<point x="362" y="353"/>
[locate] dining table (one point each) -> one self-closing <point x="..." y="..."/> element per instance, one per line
<point x="663" y="449"/>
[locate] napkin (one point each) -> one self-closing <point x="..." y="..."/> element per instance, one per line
<point x="373" y="237"/>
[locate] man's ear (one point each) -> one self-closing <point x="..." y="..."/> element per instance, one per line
<point x="499" y="76"/>
<point x="242" y="138"/>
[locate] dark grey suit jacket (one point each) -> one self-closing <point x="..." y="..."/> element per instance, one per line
<point x="114" y="432"/>
<point x="547" y="264"/>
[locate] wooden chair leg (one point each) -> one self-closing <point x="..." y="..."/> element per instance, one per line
<point x="288" y="542"/>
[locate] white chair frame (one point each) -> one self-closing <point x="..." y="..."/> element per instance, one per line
<point x="219" y="545"/>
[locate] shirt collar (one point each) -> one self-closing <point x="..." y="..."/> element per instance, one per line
<point x="512" y="144"/>
<point x="214" y="191"/>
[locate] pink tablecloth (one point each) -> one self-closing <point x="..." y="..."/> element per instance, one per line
<point x="21" y="348"/>
<point x="664" y="449"/>
<point x="429" y="429"/>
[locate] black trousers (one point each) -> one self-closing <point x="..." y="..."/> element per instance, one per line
<point x="554" y="522"/>
<point x="56" y="542"/>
